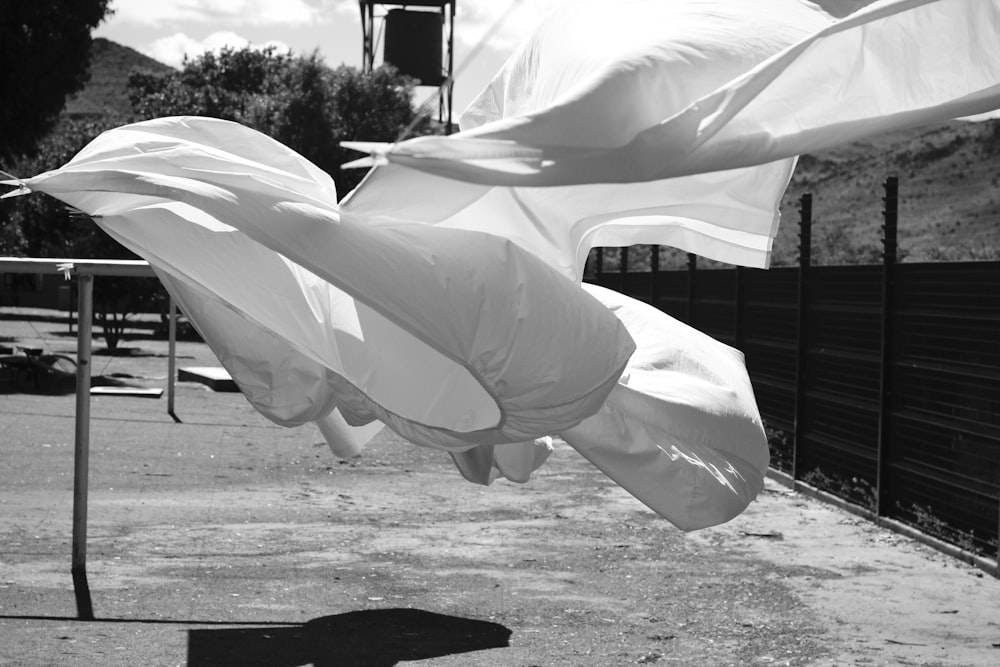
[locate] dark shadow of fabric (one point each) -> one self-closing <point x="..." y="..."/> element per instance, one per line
<point x="374" y="638"/>
<point x="41" y="381"/>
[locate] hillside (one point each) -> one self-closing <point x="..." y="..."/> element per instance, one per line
<point x="105" y="93"/>
<point x="949" y="195"/>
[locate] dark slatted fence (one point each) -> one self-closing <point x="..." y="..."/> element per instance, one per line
<point x="943" y="458"/>
<point x="880" y="384"/>
<point x="838" y="430"/>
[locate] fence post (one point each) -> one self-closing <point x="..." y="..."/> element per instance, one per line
<point x="692" y="268"/>
<point x="654" y="270"/>
<point x="74" y="297"/>
<point x="738" y="309"/>
<point x="802" y="343"/>
<point x="891" y="216"/>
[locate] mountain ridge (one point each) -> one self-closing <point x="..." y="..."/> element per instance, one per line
<point x="106" y="92"/>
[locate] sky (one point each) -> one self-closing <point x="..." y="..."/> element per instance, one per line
<point x="168" y="29"/>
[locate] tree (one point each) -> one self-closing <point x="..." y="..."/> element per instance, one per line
<point x="45" y="51"/>
<point x="221" y="85"/>
<point x="372" y="106"/>
<point x="297" y="100"/>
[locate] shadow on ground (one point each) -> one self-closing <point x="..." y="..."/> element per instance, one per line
<point x="372" y="638"/>
<point x="47" y="382"/>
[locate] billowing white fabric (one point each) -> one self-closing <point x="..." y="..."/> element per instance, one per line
<point x="442" y="297"/>
<point x="683" y="416"/>
<point x="683" y="119"/>
<point x="453" y="337"/>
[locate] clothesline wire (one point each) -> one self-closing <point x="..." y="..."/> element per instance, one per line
<point x="424" y="109"/>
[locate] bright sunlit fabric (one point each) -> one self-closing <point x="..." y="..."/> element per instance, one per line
<point x="453" y="337"/>
<point x="442" y="298"/>
<point x="683" y="119"/>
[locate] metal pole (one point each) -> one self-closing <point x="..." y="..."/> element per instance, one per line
<point x="738" y="289"/>
<point x="367" y="37"/>
<point x="81" y="449"/>
<point x="802" y="344"/>
<point x="692" y="268"/>
<point x="73" y="299"/>
<point x="654" y="275"/>
<point x="891" y="215"/>
<point x="171" y="357"/>
<point x="451" y="61"/>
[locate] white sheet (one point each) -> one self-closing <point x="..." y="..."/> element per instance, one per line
<point x="443" y="297"/>
<point x="687" y="116"/>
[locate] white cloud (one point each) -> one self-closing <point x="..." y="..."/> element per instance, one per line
<point x="171" y="50"/>
<point x="510" y="20"/>
<point x="348" y="7"/>
<point x="236" y="12"/>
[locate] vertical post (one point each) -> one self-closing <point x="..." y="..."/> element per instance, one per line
<point x="367" y="35"/>
<point x="738" y="308"/>
<point x="171" y="357"/>
<point x="802" y="342"/>
<point x="623" y="269"/>
<point x="692" y="268"/>
<point x="81" y="448"/>
<point x="654" y="275"/>
<point x="889" y="233"/>
<point x="73" y="297"/>
<point x="451" y="60"/>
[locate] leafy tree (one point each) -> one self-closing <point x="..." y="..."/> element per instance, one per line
<point x="375" y="106"/>
<point x="299" y="112"/>
<point x="298" y="100"/>
<point x="45" y="51"/>
<point x="45" y="45"/>
<point x="221" y="85"/>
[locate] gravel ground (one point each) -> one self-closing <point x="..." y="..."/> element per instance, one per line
<point x="224" y="540"/>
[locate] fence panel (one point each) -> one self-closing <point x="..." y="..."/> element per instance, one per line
<point x="671" y="289"/>
<point x="768" y="335"/>
<point x="837" y="445"/>
<point x="715" y="304"/>
<point x="944" y="459"/>
<point x="636" y="284"/>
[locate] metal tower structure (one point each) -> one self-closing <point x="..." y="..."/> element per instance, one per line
<point x="415" y="43"/>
